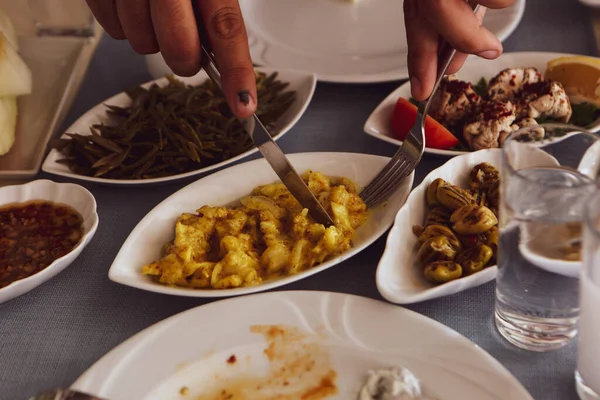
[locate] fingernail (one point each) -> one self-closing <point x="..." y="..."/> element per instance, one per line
<point x="415" y="85"/>
<point x="244" y="97"/>
<point x="489" y="54"/>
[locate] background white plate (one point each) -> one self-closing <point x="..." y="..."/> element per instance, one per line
<point x="146" y="241"/>
<point x="378" y="123"/>
<point x="341" y="41"/>
<point x="399" y="276"/>
<point x="358" y="333"/>
<point x="303" y="83"/>
<point x="70" y="194"/>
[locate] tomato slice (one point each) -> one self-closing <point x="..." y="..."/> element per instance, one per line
<point x="436" y="135"/>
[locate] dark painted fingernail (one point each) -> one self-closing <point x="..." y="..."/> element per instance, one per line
<point x="244" y="97"/>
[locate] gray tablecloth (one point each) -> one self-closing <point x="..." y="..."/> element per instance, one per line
<point x="51" y="335"/>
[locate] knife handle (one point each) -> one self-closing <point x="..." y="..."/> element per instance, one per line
<point x="207" y="58"/>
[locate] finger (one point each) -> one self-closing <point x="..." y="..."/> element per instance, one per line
<point x="136" y="22"/>
<point x="229" y="41"/>
<point x="459" y="26"/>
<point x="496" y="4"/>
<point x="177" y="34"/>
<point x="422" y="43"/>
<point x="105" y="12"/>
<point x="460" y="58"/>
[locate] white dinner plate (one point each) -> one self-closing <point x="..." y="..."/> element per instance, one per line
<point x="399" y="275"/>
<point x="344" y="333"/>
<point x="75" y="196"/>
<point x="146" y="241"/>
<point x="378" y="123"/>
<point x="303" y="83"/>
<point x="342" y="41"/>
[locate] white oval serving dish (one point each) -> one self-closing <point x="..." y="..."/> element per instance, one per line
<point x="68" y="194"/>
<point x="399" y="276"/>
<point x="378" y="123"/>
<point x="303" y="83"/>
<point x="146" y="241"/>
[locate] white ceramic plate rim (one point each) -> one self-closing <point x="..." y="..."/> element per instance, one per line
<point x="50" y="270"/>
<point x="96" y="377"/>
<point x="389" y="262"/>
<point x="399" y="74"/>
<point x="51" y="166"/>
<point x="385" y="108"/>
<point x="120" y="274"/>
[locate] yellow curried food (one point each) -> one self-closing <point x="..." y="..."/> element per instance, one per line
<point x="268" y="236"/>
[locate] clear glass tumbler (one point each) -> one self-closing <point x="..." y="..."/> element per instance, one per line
<point x="547" y="174"/>
<point x="587" y="377"/>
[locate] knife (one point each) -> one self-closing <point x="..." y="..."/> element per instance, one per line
<point x="263" y="140"/>
<point x="64" y="394"/>
<point x="595" y="11"/>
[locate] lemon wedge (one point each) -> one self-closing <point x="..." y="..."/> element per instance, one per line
<point x="579" y="75"/>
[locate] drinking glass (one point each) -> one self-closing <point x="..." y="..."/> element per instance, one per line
<point x="548" y="172"/>
<point x="587" y="377"/>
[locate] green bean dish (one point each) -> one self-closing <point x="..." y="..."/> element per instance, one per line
<point x="169" y="130"/>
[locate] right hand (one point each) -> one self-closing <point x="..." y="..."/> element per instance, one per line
<point x="169" y="26"/>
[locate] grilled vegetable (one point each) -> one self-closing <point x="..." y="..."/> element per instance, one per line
<point x="484" y="176"/>
<point x="432" y="199"/>
<point x="438" y="216"/>
<point x="474" y="259"/>
<point x="436" y="249"/>
<point x="452" y="197"/>
<point x="442" y="271"/>
<point x="440" y="230"/>
<point x="473" y="219"/>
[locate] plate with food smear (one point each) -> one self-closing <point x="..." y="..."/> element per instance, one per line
<point x="173" y="128"/>
<point x="343" y="41"/>
<point x="44" y="226"/>
<point x="445" y="237"/>
<point x="487" y="99"/>
<point x="299" y="345"/>
<point x="240" y="231"/>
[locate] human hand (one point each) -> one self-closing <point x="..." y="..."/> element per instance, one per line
<point x="169" y="26"/>
<point x="428" y="22"/>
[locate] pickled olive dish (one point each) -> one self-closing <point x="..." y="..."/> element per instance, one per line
<point x="169" y="130"/>
<point x="460" y="235"/>
<point x="33" y="235"/>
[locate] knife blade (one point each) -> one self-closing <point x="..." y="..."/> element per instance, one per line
<point x="595" y="12"/>
<point x="264" y="142"/>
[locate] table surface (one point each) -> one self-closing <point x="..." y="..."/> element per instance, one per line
<point x="51" y="335"/>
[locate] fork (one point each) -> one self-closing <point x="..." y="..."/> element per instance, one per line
<point x="409" y="154"/>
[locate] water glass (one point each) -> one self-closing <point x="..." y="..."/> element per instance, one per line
<point x="547" y="174"/>
<point x="587" y="377"/>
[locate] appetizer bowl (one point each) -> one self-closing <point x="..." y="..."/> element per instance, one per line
<point x="75" y="196"/>
<point x="145" y="243"/>
<point x="399" y="276"/>
<point x="378" y="124"/>
<point x="301" y="82"/>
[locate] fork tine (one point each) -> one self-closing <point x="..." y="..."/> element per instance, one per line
<point x="395" y="163"/>
<point x="382" y="183"/>
<point x="391" y="187"/>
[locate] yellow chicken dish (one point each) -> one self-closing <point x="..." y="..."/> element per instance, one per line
<point x="268" y="236"/>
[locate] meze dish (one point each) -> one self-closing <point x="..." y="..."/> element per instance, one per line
<point x="253" y="236"/>
<point x="444" y="238"/>
<point x="168" y="130"/>
<point x="172" y="128"/>
<point x="44" y="226"/>
<point x="459" y="236"/>
<point x="268" y="235"/>
<point x="487" y="100"/>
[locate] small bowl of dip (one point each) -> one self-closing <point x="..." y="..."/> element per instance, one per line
<point x="44" y="226"/>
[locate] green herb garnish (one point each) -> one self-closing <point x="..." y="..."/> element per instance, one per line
<point x="584" y="114"/>
<point x="481" y="87"/>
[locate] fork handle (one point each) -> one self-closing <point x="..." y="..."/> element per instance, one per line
<point x="446" y="55"/>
